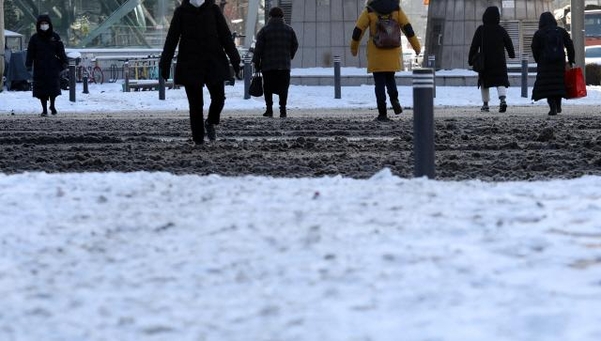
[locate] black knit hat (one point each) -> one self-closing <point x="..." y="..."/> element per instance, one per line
<point x="276" y="12"/>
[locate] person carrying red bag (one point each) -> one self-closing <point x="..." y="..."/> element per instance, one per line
<point x="549" y="46"/>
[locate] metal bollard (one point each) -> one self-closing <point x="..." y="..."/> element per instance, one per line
<point x="126" y="75"/>
<point x="72" y="80"/>
<point x="432" y="65"/>
<point x="161" y="86"/>
<point x="248" y="71"/>
<point x="525" y="75"/>
<point x="337" y="85"/>
<point x="423" y="122"/>
<point x="85" y="85"/>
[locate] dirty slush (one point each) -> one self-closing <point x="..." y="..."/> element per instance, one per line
<point x="524" y="144"/>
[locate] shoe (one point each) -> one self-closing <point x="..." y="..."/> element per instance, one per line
<point x="283" y="113"/>
<point x="44" y="114"/>
<point x="53" y="111"/>
<point x="396" y="106"/>
<point x="210" y="128"/>
<point x="268" y="114"/>
<point x="381" y="118"/>
<point x="485" y="108"/>
<point x="503" y="106"/>
<point x="552" y="112"/>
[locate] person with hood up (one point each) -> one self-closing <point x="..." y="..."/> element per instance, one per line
<point x="550" y="72"/>
<point x="491" y="39"/>
<point x="383" y="62"/>
<point x="275" y="48"/>
<point x="46" y="58"/>
<point x="205" y="43"/>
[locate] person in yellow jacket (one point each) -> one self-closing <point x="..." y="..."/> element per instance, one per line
<point x="383" y="62"/>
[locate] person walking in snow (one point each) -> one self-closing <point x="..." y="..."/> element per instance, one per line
<point x="46" y="58"/>
<point x="549" y="44"/>
<point x="491" y="39"/>
<point x="383" y="62"/>
<point x="275" y="48"/>
<point x="205" y="43"/>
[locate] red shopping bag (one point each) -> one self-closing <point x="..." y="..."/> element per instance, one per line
<point x="575" y="85"/>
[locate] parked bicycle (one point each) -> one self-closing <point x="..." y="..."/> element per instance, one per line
<point x="94" y="73"/>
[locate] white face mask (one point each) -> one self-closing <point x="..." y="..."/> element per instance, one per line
<point x="44" y="27"/>
<point x="196" y="3"/>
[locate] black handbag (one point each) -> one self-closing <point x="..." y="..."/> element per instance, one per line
<point x="256" y="85"/>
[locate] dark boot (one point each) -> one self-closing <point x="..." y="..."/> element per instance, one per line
<point x="396" y="106"/>
<point x="268" y="112"/>
<point x="552" y="106"/>
<point x="503" y="105"/>
<point x="558" y="104"/>
<point x="196" y="123"/>
<point x="484" y="107"/>
<point x="382" y="114"/>
<point x="44" y="107"/>
<point x="210" y="127"/>
<point x="283" y="112"/>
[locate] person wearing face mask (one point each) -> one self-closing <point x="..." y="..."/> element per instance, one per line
<point x="46" y="57"/>
<point x="205" y="43"/>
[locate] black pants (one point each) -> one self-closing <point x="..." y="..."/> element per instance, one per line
<point x="385" y="81"/>
<point x="276" y="82"/>
<point x="196" y="104"/>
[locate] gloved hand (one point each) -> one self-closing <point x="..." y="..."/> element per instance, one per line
<point x="354" y="47"/>
<point x="165" y="70"/>
<point x="237" y="71"/>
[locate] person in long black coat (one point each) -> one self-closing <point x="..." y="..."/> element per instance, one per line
<point x="205" y="43"/>
<point x="46" y="58"/>
<point x="275" y="48"/>
<point x="492" y="40"/>
<point x="550" y="75"/>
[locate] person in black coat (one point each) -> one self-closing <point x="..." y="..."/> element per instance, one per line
<point x="492" y="40"/>
<point x="550" y="74"/>
<point x="46" y="57"/>
<point x="205" y="43"/>
<point x="275" y="48"/>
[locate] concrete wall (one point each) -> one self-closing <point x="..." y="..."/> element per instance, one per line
<point x="458" y="20"/>
<point x="324" y="29"/>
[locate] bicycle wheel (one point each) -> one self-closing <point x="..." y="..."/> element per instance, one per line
<point x="97" y="75"/>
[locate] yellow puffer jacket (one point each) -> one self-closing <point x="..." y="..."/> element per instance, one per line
<point x="382" y="60"/>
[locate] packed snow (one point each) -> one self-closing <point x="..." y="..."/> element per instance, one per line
<point x="156" y="256"/>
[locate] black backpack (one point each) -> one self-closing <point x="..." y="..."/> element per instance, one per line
<point x="553" y="50"/>
<point x="388" y="32"/>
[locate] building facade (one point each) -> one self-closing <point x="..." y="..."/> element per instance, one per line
<point x="452" y="24"/>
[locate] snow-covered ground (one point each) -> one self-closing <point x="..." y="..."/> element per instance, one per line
<point x="155" y="256"/>
<point x="109" y="97"/>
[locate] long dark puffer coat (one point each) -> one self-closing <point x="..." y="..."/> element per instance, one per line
<point x="204" y="40"/>
<point x="496" y="41"/>
<point x="550" y="76"/>
<point x="46" y="55"/>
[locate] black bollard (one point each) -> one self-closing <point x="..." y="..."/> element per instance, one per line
<point x="423" y="122"/>
<point x="85" y="85"/>
<point x="525" y="75"/>
<point x="161" y="86"/>
<point x="337" y="83"/>
<point x="248" y="71"/>
<point x="72" y="80"/>
<point x="126" y="76"/>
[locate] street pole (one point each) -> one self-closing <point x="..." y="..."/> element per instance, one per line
<point x="577" y="28"/>
<point x="2" y="43"/>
